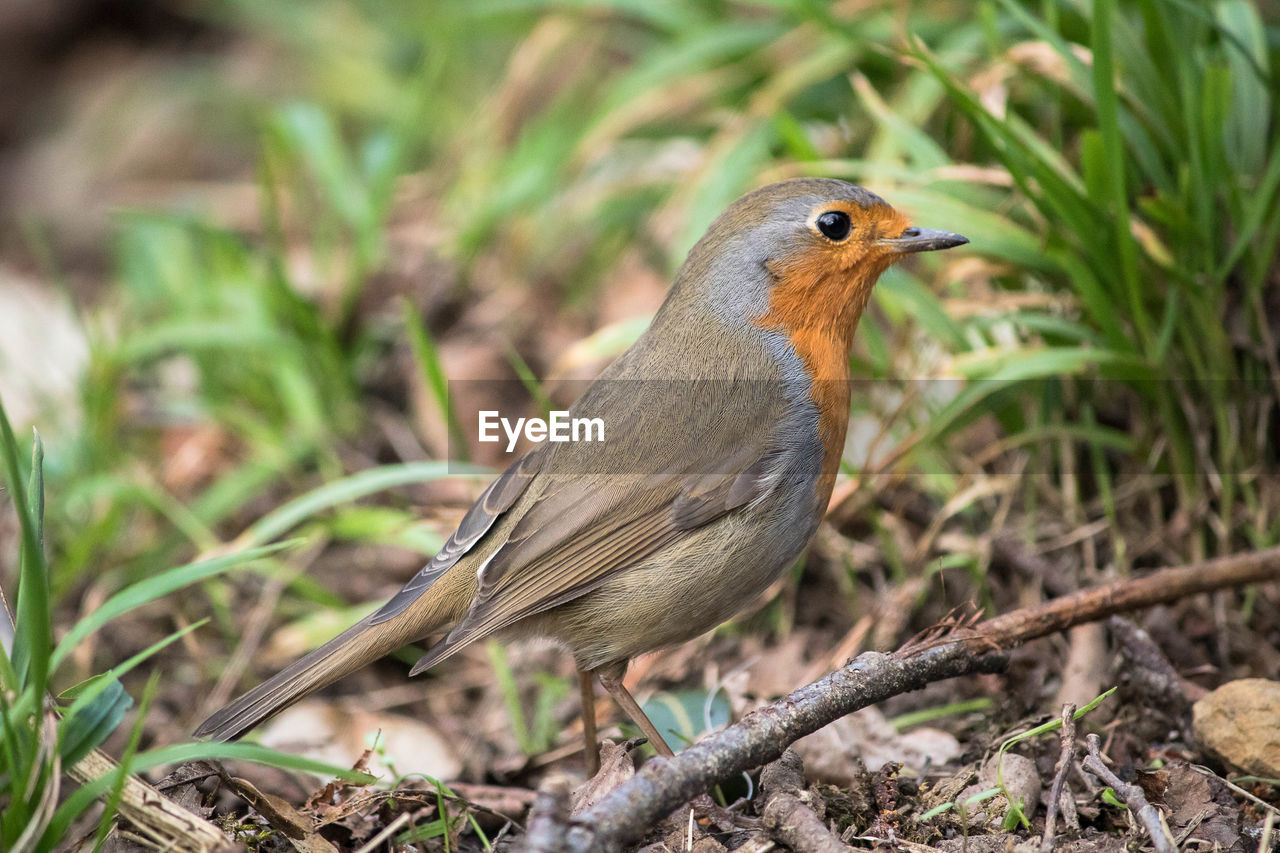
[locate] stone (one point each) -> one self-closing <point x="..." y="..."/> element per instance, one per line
<point x="1239" y="723"/>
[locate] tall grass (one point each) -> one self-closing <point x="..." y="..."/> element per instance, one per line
<point x="1161" y="215"/>
<point x="41" y="735"/>
<point x="1117" y="164"/>
<point x="213" y="332"/>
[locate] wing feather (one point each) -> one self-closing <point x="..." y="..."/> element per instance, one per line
<point x="492" y="503"/>
<point x="601" y="547"/>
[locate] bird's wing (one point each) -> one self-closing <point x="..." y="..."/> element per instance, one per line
<point x="582" y="530"/>
<point x="363" y="642"/>
<point x="492" y="503"/>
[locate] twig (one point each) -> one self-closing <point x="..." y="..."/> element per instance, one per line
<point x="548" y="818"/>
<point x="1147" y="814"/>
<point x="1159" y="587"/>
<point x="1060" y="771"/>
<point x="662" y="785"/>
<point x="165" y="823"/>
<point x="387" y="832"/>
<point x="1151" y="669"/>
<point x="497" y="800"/>
<point x="787" y="816"/>
<point x="1253" y="798"/>
<point x="1264" y="843"/>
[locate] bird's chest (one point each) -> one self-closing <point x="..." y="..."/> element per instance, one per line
<point x="815" y="370"/>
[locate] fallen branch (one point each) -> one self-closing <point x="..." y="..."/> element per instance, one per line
<point x="1147" y="814"/>
<point x="1060" y="770"/>
<point x="161" y="821"/>
<point x="662" y="785"/>
<point x="548" y="818"/>
<point x="787" y="816"/>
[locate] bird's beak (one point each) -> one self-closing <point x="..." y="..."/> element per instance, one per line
<point x="923" y="240"/>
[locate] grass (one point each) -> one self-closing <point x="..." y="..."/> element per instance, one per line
<point x="1115" y="164"/>
<point x="43" y="735"/>
<point x="1138" y="182"/>
<point x="1015" y="814"/>
<point x="1101" y="201"/>
<point x="1160" y="228"/>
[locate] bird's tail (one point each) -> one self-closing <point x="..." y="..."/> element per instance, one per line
<point x="355" y="647"/>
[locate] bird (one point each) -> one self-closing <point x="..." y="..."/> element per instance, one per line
<point x="724" y="423"/>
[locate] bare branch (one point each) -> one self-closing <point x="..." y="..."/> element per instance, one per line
<point x="548" y="818"/>
<point x="1060" y="775"/>
<point x="662" y="785"/>
<point x="787" y="816"/>
<point x="1147" y="814"/>
<point x="163" y="822"/>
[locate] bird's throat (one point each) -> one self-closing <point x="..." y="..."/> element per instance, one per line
<point x="819" y="312"/>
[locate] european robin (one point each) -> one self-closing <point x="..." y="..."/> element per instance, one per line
<point x="716" y="469"/>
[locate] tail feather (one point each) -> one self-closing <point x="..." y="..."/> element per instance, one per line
<point x="435" y="610"/>
<point x="359" y="645"/>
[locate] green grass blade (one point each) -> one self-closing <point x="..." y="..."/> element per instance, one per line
<point x="126" y="759"/>
<point x="928" y="715"/>
<point x="32" y="621"/>
<point x="430" y="367"/>
<point x="92" y="717"/>
<point x="8" y="676"/>
<point x="511" y="695"/>
<point x="74" y="805"/>
<point x="288" y="516"/>
<point x="1198" y="10"/>
<point x="206" y="334"/>
<point x="530" y="381"/>
<point x="152" y="588"/>
<point x="308" y="132"/>
<point x="120" y="669"/>
<point x="1261" y="208"/>
<point x="1114" y="193"/>
<point x="35" y="489"/>
<point x="1044" y="362"/>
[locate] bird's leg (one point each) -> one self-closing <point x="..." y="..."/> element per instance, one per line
<point x="704" y="807"/>
<point x="611" y="678"/>
<point x="587" y="686"/>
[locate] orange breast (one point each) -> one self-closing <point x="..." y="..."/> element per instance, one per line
<point x="818" y="310"/>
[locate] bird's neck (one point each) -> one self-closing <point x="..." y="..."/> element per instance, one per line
<point x="826" y="359"/>
<point x="818" y="313"/>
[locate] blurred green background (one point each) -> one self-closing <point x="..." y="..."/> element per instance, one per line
<point x="257" y="208"/>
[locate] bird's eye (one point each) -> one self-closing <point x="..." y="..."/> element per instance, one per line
<point x="835" y="225"/>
